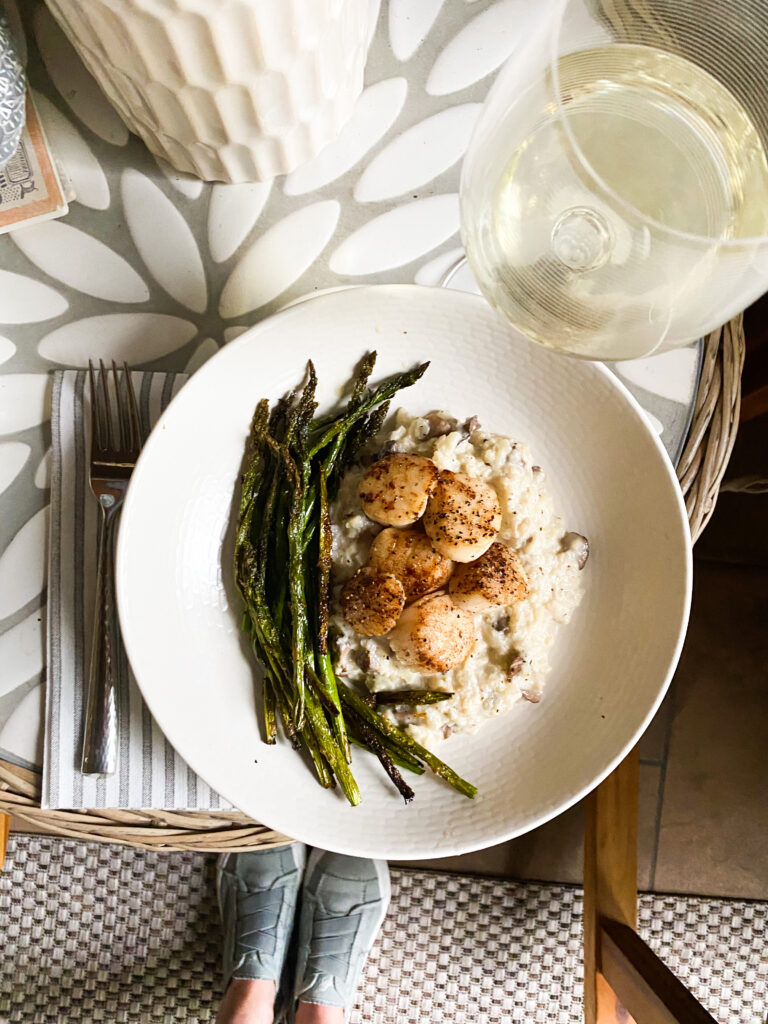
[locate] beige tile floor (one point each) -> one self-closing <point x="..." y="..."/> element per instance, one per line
<point x="704" y="762"/>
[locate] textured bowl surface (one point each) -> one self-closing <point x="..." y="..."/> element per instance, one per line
<point x="229" y="90"/>
<point x="609" y="477"/>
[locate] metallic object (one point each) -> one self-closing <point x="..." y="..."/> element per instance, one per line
<point x="13" y="88"/>
<point x="115" y="445"/>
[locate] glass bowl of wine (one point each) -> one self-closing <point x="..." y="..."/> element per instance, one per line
<point x="614" y="197"/>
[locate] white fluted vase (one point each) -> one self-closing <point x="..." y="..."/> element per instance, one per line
<point x="229" y="90"/>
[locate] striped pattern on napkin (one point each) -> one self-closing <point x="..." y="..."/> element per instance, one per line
<point x="150" y="774"/>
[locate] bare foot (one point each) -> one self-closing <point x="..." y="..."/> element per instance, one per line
<point x="248" y="1001"/>
<point x="315" y="1013"/>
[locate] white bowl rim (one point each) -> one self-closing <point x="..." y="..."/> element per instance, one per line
<point x="456" y="848"/>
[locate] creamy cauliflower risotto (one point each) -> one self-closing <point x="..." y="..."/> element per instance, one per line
<point x="540" y="577"/>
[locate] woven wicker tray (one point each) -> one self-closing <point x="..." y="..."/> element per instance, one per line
<point x="700" y="471"/>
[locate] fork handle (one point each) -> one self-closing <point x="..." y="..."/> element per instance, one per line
<point x="100" y="736"/>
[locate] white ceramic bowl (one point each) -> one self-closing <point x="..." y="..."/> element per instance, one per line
<point x="607" y="472"/>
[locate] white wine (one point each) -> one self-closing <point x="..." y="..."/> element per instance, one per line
<point x="612" y="211"/>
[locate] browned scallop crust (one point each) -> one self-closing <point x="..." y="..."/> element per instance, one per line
<point x="409" y="555"/>
<point x="495" y="579"/>
<point x="433" y="635"/>
<point x="463" y="516"/>
<point x="394" y="490"/>
<point x="372" y="602"/>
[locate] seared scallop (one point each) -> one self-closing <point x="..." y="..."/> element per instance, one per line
<point x="372" y="601"/>
<point x="395" y="490"/>
<point x="463" y="516"/>
<point x="433" y="635"/>
<point x="409" y="555"/>
<point x="495" y="579"/>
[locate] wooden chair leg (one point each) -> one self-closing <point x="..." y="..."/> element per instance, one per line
<point x="610" y="880"/>
<point x="643" y="982"/>
<point x="624" y="980"/>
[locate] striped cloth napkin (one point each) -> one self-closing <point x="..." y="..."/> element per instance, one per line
<point x="150" y="774"/>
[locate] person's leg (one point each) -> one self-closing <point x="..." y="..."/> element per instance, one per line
<point x="314" y="1013"/>
<point x="248" y="1001"/>
<point x="343" y="903"/>
<point x="257" y="897"/>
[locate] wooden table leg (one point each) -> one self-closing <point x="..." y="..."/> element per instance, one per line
<point x="610" y="880"/>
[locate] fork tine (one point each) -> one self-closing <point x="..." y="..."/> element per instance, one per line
<point x="122" y="417"/>
<point x="97" y="429"/>
<point x="110" y="427"/>
<point x="133" y="411"/>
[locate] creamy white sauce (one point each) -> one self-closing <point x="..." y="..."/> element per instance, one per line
<point x="521" y="634"/>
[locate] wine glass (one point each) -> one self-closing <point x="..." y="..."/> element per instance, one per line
<point x="614" y="197"/>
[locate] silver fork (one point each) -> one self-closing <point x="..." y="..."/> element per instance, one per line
<point x="115" y="445"/>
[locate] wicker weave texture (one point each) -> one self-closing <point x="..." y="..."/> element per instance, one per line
<point x="100" y="932"/>
<point x="714" y="424"/>
<point x="201" y="831"/>
<point x="700" y="471"/>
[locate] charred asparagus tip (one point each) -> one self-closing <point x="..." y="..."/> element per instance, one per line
<point x="409" y="697"/>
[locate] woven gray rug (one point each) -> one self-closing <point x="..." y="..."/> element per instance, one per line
<point x="92" y="932"/>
